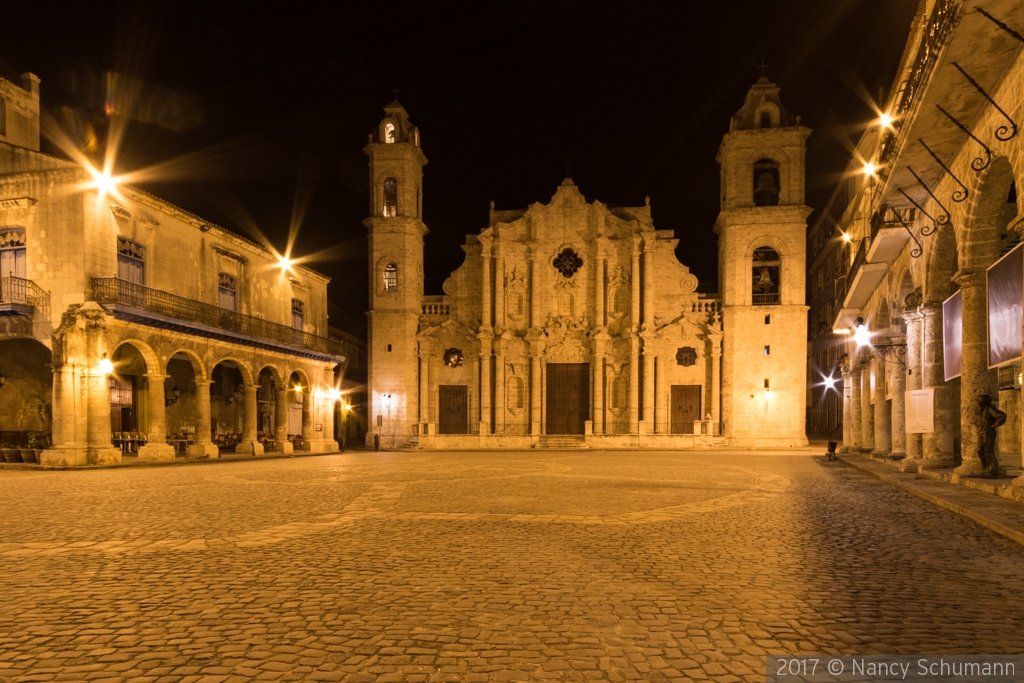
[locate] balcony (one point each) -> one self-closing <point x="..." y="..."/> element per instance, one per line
<point x="136" y="303"/>
<point x="861" y="281"/>
<point x="888" y="234"/>
<point x="19" y="296"/>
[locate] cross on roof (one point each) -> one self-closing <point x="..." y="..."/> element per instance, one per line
<point x="396" y="91"/>
<point x="762" y="66"/>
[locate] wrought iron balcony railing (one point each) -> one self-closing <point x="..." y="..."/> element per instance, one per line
<point x="112" y="290"/>
<point x="933" y="40"/>
<point x="766" y="298"/>
<point x="18" y="290"/>
<point x="888" y="217"/>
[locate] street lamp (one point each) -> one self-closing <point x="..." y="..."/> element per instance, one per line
<point x="861" y="334"/>
<point x="175" y="393"/>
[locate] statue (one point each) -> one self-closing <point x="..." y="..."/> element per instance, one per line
<point x="989" y="419"/>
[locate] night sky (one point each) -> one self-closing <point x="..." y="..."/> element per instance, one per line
<point x="263" y="109"/>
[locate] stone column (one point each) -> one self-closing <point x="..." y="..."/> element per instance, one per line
<point x="535" y="274"/>
<point x="485" y="308"/>
<point x="203" y="446"/>
<point x="250" y="445"/>
<point x="913" y="377"/>
<point x="535" y="392"/>
<point x="634" y="280"/>
<point x="975" y="376"/>
<point x="156" y="447"/>
<point x="499" y="393"/>
<point x="714" y="393"/>
<point x="648" y="389"/>
<point x="598" y="392"/>
<point x="308" y="421"/>
<point x="499" y="287"/>
<point x="882" y="412"/>
<point x="856" y="406"/>
<point x="648" y="293"/>
<point x="282" y="444"/>
<point x="424" y="389"/>
<point x="485" y="387"/>
<point x="328" y="442"/>
<point x="898" y="416"/>
<point x="634" y="388"/>
<point x="867" y="421"/>
<point x="600" y="295"/>
<point x="847" y="408"/>
<point x="64" y="416"/>
<point x="936" y="447"/>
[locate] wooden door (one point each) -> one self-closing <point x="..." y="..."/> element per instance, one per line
<point x="453" y="409"/>
<point x="568" y="397"/>
<point x="685" y="407"/>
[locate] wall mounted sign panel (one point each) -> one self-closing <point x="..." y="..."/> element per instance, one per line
<point x="920" y="416"/>
<point x="1005" y="307"/>
<point x="952" y="334"/>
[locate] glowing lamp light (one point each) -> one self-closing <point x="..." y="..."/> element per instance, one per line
<point x="284" y="263"/>
<point x="885" y="120"/>
<point x="861" y="334"/>
<point x="830" y="382"/>
<point x="767" y="394"/>
<point x="106" y="367"/>
<point x="334" y="394"/>
<point x="103" y="182"/>
<point x="298" y="388"/>
<point x="869" y="169"/>
<point x="346" y="407"/>
<point x="847" y="237"/>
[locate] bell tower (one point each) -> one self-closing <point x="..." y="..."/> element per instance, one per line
<point x="762" y="229"/>
<point x="396" y="275"/>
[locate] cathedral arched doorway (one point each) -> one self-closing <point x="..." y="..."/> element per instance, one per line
<point x="568" y="397"/>
<point x="26" y="393"/>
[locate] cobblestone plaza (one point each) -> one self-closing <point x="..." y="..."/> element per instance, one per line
<point x="409" y="566"/>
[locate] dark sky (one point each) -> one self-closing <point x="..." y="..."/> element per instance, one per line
<point x="272" y="104"/>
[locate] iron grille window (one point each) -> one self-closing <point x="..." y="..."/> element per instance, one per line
<point x="228" y="291"/>
<point x="1009" y="377"/>
<point x="391" y="278"/>
<point x="298" y="315"/>
<point x="131" y="261"/>
<point x="12" y="253"/>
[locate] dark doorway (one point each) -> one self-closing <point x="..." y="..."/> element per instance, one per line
<point x="685" y="407"/>
<point x="568" y="397"/>
<point x="453" y="409"/>
<point x="123" y="417"/>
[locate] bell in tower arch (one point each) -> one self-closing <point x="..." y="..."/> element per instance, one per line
<point x="766" y="183"/>
<point x="764" y="281"/>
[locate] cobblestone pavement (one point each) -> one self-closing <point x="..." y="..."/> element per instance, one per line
<point x="568" y="566"/>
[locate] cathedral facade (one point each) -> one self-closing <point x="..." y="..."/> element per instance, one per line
<point x="572" y="323"/>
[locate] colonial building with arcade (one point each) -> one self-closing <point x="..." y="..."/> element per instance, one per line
<point x="130" y="328"/>
<point x="572" y="323"/>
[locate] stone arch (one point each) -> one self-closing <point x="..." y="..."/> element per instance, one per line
<point x="198" y="367"/>
<point x="379" y="276"/>
<point x="769" y="108"/>
<point x="902" y="287"/>
<point x="776" y="243"/>
<point x="303" y="378"/>
<point x="980" y="237"/>
<point x="275" y="371"/>
<point x="783" y="170"/>
<point x="149" y="356"/>
<point x="941" y="265"/>
<point x="243" y="367"/>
